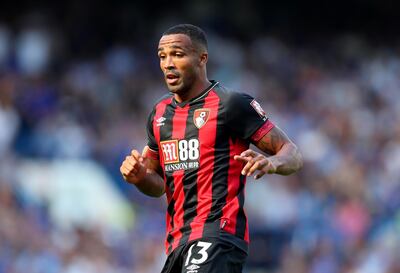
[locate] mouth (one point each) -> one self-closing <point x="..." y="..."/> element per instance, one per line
<point x="171" y="78"/>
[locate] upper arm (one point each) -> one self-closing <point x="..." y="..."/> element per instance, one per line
<point x="151" y="140"/>
<point x="273" y="141"/>
<point x="244" y="115"/>
<point x="150" y="151"/>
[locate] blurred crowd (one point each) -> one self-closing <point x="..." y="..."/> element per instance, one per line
<point x="338" y="99"/>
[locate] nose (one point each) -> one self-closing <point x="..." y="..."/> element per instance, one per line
<point x="168" y="63"/>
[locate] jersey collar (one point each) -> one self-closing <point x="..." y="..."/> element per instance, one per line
<point x="199" y="97"/>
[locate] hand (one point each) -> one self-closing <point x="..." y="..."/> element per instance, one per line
<point x="255" y="161"/>
<point x="134" y="167"/>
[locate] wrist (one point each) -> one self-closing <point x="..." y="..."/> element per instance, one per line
<point x="274" y="163"/>
<point x="135" y="179"/>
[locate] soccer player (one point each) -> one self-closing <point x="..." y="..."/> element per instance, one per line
<point x="198" y="154"/>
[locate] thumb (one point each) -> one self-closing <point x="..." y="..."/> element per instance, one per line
<point x="144" y="160"/>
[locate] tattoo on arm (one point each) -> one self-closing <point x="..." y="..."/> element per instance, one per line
<point x="283" y="152"/>
<point x="273" y="141"/>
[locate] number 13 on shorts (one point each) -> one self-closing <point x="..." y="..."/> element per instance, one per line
<point x="201" y="256"/>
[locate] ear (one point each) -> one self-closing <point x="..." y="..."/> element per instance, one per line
<point x="203" y="58"/>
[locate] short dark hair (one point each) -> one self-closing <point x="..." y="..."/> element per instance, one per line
<point x="196" y="34"/>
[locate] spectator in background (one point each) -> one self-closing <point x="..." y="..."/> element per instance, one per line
<point x="340" y="103"/>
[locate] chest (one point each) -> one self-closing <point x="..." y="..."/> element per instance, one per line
<point x="189" y="133"/>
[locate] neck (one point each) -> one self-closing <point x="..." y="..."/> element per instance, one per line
<point x="196" y="90"/>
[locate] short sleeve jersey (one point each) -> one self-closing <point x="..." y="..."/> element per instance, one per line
<point x="195" y="143"/>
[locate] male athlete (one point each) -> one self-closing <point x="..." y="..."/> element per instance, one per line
<point x="198" y="154"/>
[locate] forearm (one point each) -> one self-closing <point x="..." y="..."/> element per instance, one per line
<point x="287" y="160"/>
<point x="144" y="172"/>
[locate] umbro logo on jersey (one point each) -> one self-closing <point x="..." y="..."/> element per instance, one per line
<point x="200" y="117"/>
<point x="160" y="121"/>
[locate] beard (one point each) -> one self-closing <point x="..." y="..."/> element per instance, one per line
<point x="183" y="85"/>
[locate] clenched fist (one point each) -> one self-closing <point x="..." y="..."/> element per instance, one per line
<point x="134" y="167"/>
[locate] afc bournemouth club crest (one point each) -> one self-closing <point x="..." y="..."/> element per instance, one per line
<point x="200" y="117"/>
<point x="258" y="108"/>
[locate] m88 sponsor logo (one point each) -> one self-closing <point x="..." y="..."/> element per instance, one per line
<point x="180" y="154"/>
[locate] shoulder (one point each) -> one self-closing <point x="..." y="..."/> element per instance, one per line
<point x="164" y="100"/>
<point x="231" y="97"/>
<point x="160" y="103"/>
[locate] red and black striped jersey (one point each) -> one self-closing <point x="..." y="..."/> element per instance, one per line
<point x="195" y="142"/>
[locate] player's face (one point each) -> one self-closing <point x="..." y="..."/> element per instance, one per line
<point x="179" y="61"/>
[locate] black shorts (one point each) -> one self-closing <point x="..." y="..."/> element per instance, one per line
<point x="207" y="255"/>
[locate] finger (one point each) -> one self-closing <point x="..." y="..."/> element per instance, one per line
<point x="249" y="152"/>
<point x="126" y="171"/>
<point x="247" y="167"/>
<point x="242" y="158"/>
<point x="133" y="170"/>
<point x="259" y="175"/>
<point x="253" y="168"/>
<point x="136" y="155"/>
<point x="133" y="162"/>
<point x="132" y="165"/>
<point x="128" y="162"/>
<point x="258" y="165"/>
<point x="130" y="176"/>
<point x="122" y="170"/>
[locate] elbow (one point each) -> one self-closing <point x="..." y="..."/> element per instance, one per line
<point x="297" y="162"/>
<point x="155" y="192"/>
<point x="158" y="194"/>
<point x="300" y="162"/>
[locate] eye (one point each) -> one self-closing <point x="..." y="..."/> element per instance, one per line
<point x="179" y="54"/>
<point x="161" y="56"/>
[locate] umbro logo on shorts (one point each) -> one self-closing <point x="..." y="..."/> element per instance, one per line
<point x="192" y="268"/>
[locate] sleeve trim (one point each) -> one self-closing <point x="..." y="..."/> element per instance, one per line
<point x="262" y="131"/>
<point x="151" y="154"/>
